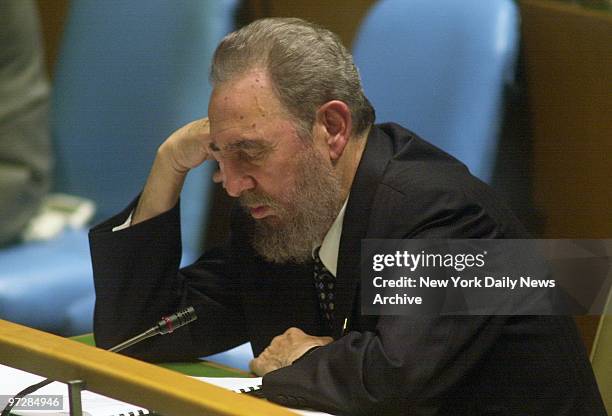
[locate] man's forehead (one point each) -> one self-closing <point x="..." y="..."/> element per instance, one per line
<point x="235" y="123"/>
<point x="245" y="112"/>
<point x="248" y="87"/>
<point x="257" y="136"/>
<point x="234" y="110"/>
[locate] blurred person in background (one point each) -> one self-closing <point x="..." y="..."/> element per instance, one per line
<point x="25" y="151"/>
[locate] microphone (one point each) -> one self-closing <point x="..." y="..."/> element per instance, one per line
<point x="166" y="325"/>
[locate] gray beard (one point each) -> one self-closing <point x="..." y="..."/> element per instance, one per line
<point x="304" y="218"/>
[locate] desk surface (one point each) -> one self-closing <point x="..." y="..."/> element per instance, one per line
<point x="198" y="368"/>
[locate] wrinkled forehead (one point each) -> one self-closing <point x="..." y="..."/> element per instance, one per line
<point x="240" y="126"/>
<point x="248" y="98"/>
<point x="246" y="107"/>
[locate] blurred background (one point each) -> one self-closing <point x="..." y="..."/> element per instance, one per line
<point x="541" y="70"/>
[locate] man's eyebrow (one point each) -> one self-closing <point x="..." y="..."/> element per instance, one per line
<point x="258" y="145"/>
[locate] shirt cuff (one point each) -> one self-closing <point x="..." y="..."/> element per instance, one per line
<point x="126" y="224"/>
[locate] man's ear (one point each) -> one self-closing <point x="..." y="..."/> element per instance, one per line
<point x="335" y="120"/>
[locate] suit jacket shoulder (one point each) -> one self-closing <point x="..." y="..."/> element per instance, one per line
<point x="423" y="192"/>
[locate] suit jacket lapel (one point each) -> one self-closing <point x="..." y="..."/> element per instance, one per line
<point x="376" y="155"/>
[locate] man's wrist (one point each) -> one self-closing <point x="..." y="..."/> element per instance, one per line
<point x="306" y="353"/>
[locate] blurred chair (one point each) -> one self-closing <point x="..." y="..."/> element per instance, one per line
<point x="128" y="74"/>
<point x="439" y="67"/>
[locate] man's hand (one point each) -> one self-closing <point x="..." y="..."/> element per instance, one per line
<point x="185" y="149"/>
<point x="285" y="349"/>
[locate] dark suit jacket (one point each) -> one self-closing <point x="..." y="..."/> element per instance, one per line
<point x="436" y="365"/>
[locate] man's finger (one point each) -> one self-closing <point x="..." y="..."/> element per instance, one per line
<point x="264" y="364"/>
<point x="259" y="366"/>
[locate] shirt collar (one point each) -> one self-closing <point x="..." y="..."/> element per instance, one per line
<point x="330" y="246"/>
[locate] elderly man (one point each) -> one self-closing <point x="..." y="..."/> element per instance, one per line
<point x="294" y="137"/>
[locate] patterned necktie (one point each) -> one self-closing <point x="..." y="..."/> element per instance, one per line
<point x="324" y="284"/>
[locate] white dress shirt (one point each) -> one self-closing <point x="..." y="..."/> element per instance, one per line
<point x="331" y="243"/>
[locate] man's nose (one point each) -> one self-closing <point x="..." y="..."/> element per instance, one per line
<point x="234" y="180"/>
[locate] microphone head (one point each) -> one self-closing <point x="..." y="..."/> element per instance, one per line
<point x="169" y="324"/>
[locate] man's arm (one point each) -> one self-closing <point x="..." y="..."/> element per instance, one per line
<point x="445" y="365"/>
<point x="136" y="269"/>
<point x="407" y="362"/>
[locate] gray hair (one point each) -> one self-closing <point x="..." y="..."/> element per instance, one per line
<point x="307" y="64"/>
